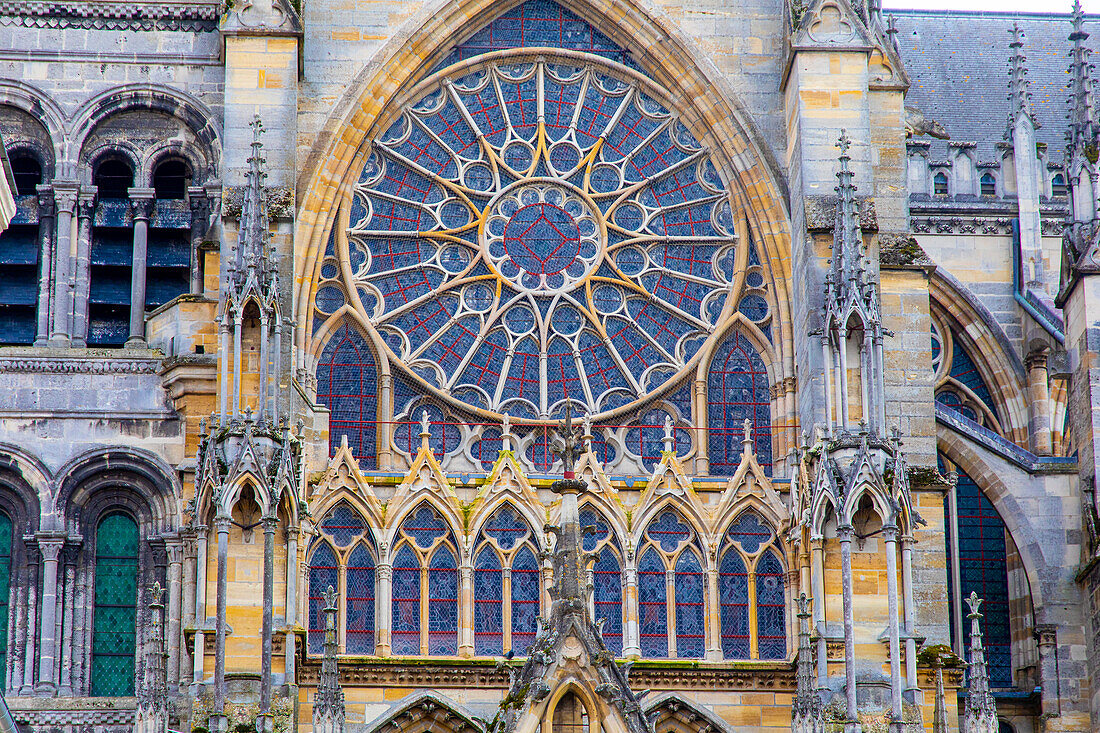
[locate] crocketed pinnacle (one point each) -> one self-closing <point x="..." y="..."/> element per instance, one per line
<point x="807" y="715"/>
<point x="252" y="271"/>
<point x="1082" y="131"/>
<point x="1019" y="87"/>
<point x="328" y="701"/>
<point x="980" y="715"/>
<point x="848" y="284"/>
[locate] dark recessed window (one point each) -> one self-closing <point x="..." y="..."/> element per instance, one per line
<point x="27" y="173"/>
<point x="1058" y="185"/>
<point x="939" y="184"/>
<point x="114" y="178"/>
<point x="989" y="185"/>
<point x="170" y="179"/>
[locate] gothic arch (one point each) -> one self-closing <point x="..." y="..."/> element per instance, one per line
<point x="671" y="712"/>
<point x="486" y="511"/>
<point x="424" y="711"/>
<point x="684" y="509"/>
<point x="451" y="518"/>
<point x="695" y="87"/>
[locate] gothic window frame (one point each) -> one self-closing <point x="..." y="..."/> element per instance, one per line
<point x="98" y="677"/>
<point x="673" y="560"/>
<point x="941" y="184"/>
<point x="505" y="559"/>
<point x="952" y="393"/>
<point x="719" y="396"/>
<point x="599" y="578"/>
<point x="734" y="547"/>
<point x="445" y="543"/>
<point x="343" y="552"/>
<point x="347" y="331"/>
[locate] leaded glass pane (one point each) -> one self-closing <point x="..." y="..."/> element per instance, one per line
<point x="652" y="605"/>
<point x="733" y="597"/>
<point x="771" y="617"/>
<point x="668" y="530"/>
<point x="322" y="574"/>
<point x="737" y="389"/>
<point x="114" y="619"/>
<point x="343" y="524"/>
<point x="750" y="532"/>
<point x="347" y="383"/>
<point x="5" y="590"/>
<point x="359" y="629"/>
<point x="966" y="371"/>
<point x="488" y="603"/>
<point x="442" y="603"/>
<point x="690" y="616"/>
<point x="425" y="526"/>
<point x="607" y="588"/>
<point x="525" y="600"/>
<point x="405" y="635"/>
<point x="507" y="527"/>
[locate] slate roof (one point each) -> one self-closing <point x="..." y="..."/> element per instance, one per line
<point x="958" y="67"/>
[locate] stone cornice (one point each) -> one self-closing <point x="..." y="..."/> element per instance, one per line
<point x="162" y="16"/>
<point x="33" y="364"/>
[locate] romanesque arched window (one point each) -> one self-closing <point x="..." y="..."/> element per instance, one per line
<point x="737" y="390"/>
<point x="751" y="592"/>
<point x="20" y="250"/>
<point x="607" y="578"/>
<point x="672" y="616"/>
<point x="344" y="559"/>
<point x="5" y="590"/>
<point x="112" y="254"/>
<point x="347" y="383"/>
<point x="114" y="615"/>
<point x="506" y="585"/>
<point x="977" y="544"/>
<point x="425" y="586"/>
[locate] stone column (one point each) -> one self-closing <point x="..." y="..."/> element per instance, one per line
<point x="632" y="645"/>
<point x="910" y="612"/>
<point x="217" y="718"/>
<point x="890" y="539"/>
<point x="844" y="533"/>
<point x="46" y="260"/>
<point x="141" y="203"/>
<point x="702" y="438"/>
<point x="264" y="724"/>
<point x="714" y="625"/>
<point x="200" y="222"/>
<point x="66" y="687"/>
<point x="82" y="276"/>
<point x="1047" y="637"/>
<point x="466" y="607"/>
<point x="384" y="613"/>
<point x="1038" y="387"/>
<point x="199" y="654"/>
<point x="29" y="653"/>
<point x="50" y="545"/>
<point x="174" y="547"/>
<point x="817" y="582"/>
<point x="187" y="613"/>
<point x="65" y="198"/>
<point x="291" y="612"/>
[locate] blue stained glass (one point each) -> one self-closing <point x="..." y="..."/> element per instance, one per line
<point x="507" y="527"/>
<point x="525" y="599"/>
<point x="652" y="606"/>
<point x="488" y="604"/>
<point x="771" y="618"/>
<point x="750" y="531"/>
<point x="538" y="23"/>
<point x="347" y="384"/>
<point x="590" y="518"/>
<point x="754" y="308"/>
<point x="607" y="589"/>
<point x="690" y="617"/>
<point x="542" y="239"/>
<point x="669" y="531"/>
<point x="443" y="440"/>
<point x="562" y="378"/>
<point x="442" y="603"/>
<point x="359" y="628"/>
<point x="733" y="598"/>
<point x="405" y="634"/>
<point x="966" y="371"/>
<point x="322" y="573"/>
<point x="343" y="524"/>
<point x="737" y="389"/>
<point x="425" y="526"/>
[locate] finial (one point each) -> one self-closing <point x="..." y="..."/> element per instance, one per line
<point x="586" y="435"/>
<point x="565" y="445"/>
<point x="425" y="429"/>
<point x="1082" y="131"/>
<point x="746" y="441"/>
<point x="329" y="597"/>
<point x="669" y="440"/>
<point x="974" y="602"/>
<point x="1019" y="88"/>
<point x="156" y="595"/>
<point x="803" y="605"/>
<point x="506" y="432"/>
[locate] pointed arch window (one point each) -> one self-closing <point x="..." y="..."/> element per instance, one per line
<point x="737" y="390"/>
<point x="114" y="614"/>
<point x="607" y="578"/>
<point x="960" y="385"/>
<point x="425" y="586"/>
<point x="671" y="590"/>
<point x="751" y="593"/>
<point x="506" y="585"/>
<point x="988" y="185"/>
<point x="570" y="715"/>
<point x="347" y="383"/>
<point x="344" y="558"/>
<point x="939" y="184"/>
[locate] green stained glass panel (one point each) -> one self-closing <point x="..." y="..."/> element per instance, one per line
<point x="114" y="621"/>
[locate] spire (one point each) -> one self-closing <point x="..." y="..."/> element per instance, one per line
<point x="1082" y="131"/>
<point x="808" y="712"/>
<point x="252" y="271"/>
<point x="849" y="283"/>
<point x="152" y="712"/>
<point x="328" y="701"/>
<point x="1019" y="87"/>
<point x="939" y="712"/>
<point x="980" y="715"/>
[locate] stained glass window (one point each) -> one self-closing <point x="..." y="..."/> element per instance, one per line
<point x="343" y="524"/>
<point x="670" y="549"/>
<point x="750" y="544"/>
<point x="323" y="572"/>
<point x="114" y="617"/>
<point x="405" y="636"/>
<point x="347" y="383"/>
<point x="652" y="605"/>
<point x="506" y="542"/>
<point x="5" y="590"/>
<point x="983" y="569"/>
<point x="443" y="603"/>
<point x="359" y="613"/>
<point x="690" y="616"/>
<point x="425" y="585"/>
<point x="966" y="371"/>
<point x="607" y="581"/>
<point x="737" y="390"/>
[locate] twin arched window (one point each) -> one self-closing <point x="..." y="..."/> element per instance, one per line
<point x="671" y="590"/>
<point x="607" y="579"/>
<point x="347" y="564"/>
<point x="506" y="585"/>
<point x="114" y="618"/>
<point x="750" y="592"/>
<point x="425" y="586"/>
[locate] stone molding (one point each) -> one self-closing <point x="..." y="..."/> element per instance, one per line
<point x="977" y="225"/>
<point x="44" y="712"/>
<point x="196" y="16"/>
<point x="54" y="365"/>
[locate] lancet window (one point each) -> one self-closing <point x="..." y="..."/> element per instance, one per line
<point x="114" y="616"/>
<point x="671" y="590"/>
<point x="345" y="559"/>
<point x="737" y="390"/>
<point x="751" y="592"/>
<point x="607" y="578"/>
<point x="347" y="383"/>
<point x="506" y="585"/>
<point x="425" y="586"/>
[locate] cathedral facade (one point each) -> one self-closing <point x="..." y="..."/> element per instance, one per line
<point x="575" y="365"/>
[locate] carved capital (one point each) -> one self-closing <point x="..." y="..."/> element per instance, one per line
<point x="50" y="545"/>
<point x="141" y="203"/>
<point x="385" y="571"/>
<point x="46" y="209"/>
<point x="1047" y="637"/>
<point x="86" y="204"/>
<point x="64" y="196"/>
<point x="174" y="547"/>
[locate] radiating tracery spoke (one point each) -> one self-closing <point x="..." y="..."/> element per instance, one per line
<point x="532" y="233"/>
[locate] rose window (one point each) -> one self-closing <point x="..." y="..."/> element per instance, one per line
<point x="527" y="233"/>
